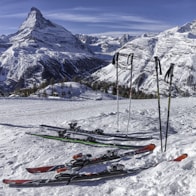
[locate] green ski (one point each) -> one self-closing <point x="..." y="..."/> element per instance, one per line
<point x="90" y="141"/>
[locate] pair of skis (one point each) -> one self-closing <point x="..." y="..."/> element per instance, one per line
<point x="66" y="178"/>
<point x="80" y="160"/>
<point x="97" y="133"/>
<point x="88" y="141"/>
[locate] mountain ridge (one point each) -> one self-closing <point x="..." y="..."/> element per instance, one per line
<point x="176" y="45"/>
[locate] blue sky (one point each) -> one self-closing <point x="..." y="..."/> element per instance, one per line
<point x="101" y="16"/>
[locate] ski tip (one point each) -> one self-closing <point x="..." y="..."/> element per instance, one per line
<point x="151" y="147"/>
<point x="181" y="157"/>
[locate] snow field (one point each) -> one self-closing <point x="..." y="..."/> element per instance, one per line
<point x="19" y="150"/>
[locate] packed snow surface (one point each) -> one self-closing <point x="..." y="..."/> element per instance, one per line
<point x="19" y="150"/>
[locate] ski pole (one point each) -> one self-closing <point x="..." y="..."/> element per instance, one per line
<point x="158" y="64"/>
<point x="130" y="62"/>
<point x="115" y="62"/>
<point x="169" y="74"/>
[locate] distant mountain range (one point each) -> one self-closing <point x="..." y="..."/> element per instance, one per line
<point x="104" y="47"/>
<point x="41" y="51"/>
<point x="176" y="45"/>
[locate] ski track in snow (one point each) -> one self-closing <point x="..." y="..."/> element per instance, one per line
<point x="19" y="150"/>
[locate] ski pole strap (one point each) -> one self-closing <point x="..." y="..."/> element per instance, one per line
<point x="158" y="64"/>
<point x="170" y="72"/>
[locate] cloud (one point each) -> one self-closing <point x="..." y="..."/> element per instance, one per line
<point x="111" y="22"/>
<point x="5" y="28"/>
<point x="99" y="17"/>
<point x="16" y="15"/>
<point x="143" y="26"/>
<point x="85" y="9"/>
<point x="74" y="17"/>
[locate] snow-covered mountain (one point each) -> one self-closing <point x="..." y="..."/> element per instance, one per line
<point x="41" y="50"/>
<point x="105" y="46"/>
<point x="176" y="45"/>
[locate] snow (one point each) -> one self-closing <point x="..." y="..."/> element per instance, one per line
<point x="176" y="45"/>
<point x="19" y="150"/>
<point x="72" y="91"/>
<point x="104" y="47"/>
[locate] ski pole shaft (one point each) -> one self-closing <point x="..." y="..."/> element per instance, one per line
<point x="130" y="62"/>
<point x="157" y="64"/>
<point x="169" y="74"/>
<point x="115" y="62"/>
<point x="167" y="125"/>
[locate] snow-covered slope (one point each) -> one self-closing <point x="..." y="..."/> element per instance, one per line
<point x="177" y="45"/>
<point x="42" y="50"/>
<point x="19" y="150"/>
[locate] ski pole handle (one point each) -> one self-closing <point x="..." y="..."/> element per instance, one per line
<point x="158" y="64"/>
<point x="160" y="71"/>
<point x="169" y="73"/>
<point x="130" y="59"/>
<point x="115" y="58"/>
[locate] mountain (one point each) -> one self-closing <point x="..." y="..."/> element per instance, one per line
<point x="104" y="46"/>
<point x="40" y="51"/>
<point x="176" y="45"/>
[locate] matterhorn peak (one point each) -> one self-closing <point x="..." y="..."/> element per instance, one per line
<point x="34" y="20"/>
<point x="35" y="14"/>
<point x="34" y="9"/>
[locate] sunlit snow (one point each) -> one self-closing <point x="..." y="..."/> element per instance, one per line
<point x="19" y="150"/>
